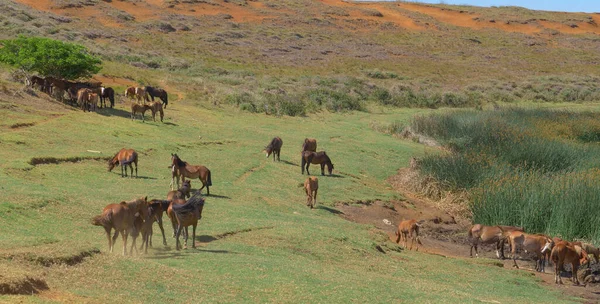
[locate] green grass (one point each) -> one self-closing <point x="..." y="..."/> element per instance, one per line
<point x="527" y="167"/>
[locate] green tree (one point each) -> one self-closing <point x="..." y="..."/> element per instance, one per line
<point x="49" y="57"/>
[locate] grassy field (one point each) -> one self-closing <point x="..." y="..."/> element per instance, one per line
<point x="259" y="242"/>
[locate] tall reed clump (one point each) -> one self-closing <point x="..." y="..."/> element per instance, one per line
<point x="531" y="168"/>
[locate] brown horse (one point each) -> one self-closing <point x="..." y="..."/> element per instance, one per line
<point x="83" y="97"/>
<point x="137" y="93"/>
<point x="157" y="107"/>
<point x="155" y="210"/>
<point x="41" y="82"/>
<point x="310" y="144"/>
<point x="124" y="157"/>
<point x="274" y="147"/>
<point x="408" y="228"/>
<point x="311" y="186"/>
<point x="107" y="93"/>
<point x="533" y="243"/>
<point x="159" y="207"/>
<point x="565" y="253"/>
<point x="192" y="171"/>
<point x="188" y="214"/>
<point x="321" y="158"/>
<point x="158" y="92"/>
<point x="480" y="234"/>
<point x="181" y="193"/>
<point x="121" y="217"/>
<point x="139" y="108"/>
<point x="93" y="101"/>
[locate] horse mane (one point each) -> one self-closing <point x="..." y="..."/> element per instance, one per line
<point x="190" y="205"/>
<point x="180" y="163"/>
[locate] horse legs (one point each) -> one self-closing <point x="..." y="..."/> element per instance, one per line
<point x="307" y="165"/>
<point x="135" y="169"/>
<point x="278" y="155"/>
<point x="187" y="234"/>
<point x="178" y="232"/>
<point x="194" y="236"/>
<point x="109" y="239"/>
<point x="124" y="235"/>
<point x="114" y="239"/>
<point x="322" y="168"/>
<point x="131" y="167"/>
<point x="314" y="201"/>
<point x="303" y="161"/>
<point x="162" y="230"/>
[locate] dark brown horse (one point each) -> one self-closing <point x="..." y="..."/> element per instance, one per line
<point x="188" y="214"/>
<point x="107" y="93"/>
<point x="181" y="193"/>
<point x="124" y="157"/>
<point x="121" y="217"/>
<point x="310" y="144"/>
<point x="320" y="158"/>
<point x="192" y="171"/>
<point x="43" y="84"/>
<point x="274" y="147"/>
<point x="160" y="93"/>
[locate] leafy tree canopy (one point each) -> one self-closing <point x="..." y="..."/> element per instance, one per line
<point x="49" y="57"/>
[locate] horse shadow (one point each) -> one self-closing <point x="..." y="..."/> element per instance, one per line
<point x="170" y="123"/>
<point x="336" y="176"/>
<point x="129" y="175"/>
<point x="334" y="211"/>
<point x="206" y="238"/>
<point x="219" y="196"/>
<point x="114" y="112"/>
<point x="290" y="163"/>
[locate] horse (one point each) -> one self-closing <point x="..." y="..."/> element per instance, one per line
<point x="181" y="193"/>
<point x="158" y="92"/>
<point x="137" y="93"/>
<point x="592" y="251"/>
<point x="155" y="210"/>
<point x="107" y="93"/>
<point x="310" y="144"/>
<point x="562" y="253"/>
<point x="321" y="158"/>
<point x="274" y="147"/>
<point x="534" y="243"/>
<point x="188" y="214"/>
<point x="159" y="207"/>
<point x="124" y="157"/>
<point x="121" y="217"/>
<point x="311" y="186"/>
<point x="93" y="101"/>
<point x="192" y="171"/>
<point x="139" y="108"/>
<point x="480" y="234"/>
<point x="83" y="97"/>
<point x="408" y="228"/>
<point x="157" y="107"/>
<point x="41" y="82"/>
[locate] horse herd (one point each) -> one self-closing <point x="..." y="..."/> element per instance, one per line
<point x="183" y="209"/>
<point x="137" y="217"/>
<point x="89" y="96"/>
<point x="543" y="247"/>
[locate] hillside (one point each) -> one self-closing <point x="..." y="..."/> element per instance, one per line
<point x="226" y="64"/>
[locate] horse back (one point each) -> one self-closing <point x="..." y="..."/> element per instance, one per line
<point x="310" y="144"/>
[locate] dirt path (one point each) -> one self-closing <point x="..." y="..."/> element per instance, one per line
<point x="442" y="235"/>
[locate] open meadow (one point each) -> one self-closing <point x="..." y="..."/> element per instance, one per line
<point x="351" y="75"/>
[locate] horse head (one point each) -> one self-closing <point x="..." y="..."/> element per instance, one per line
<point x="112" y="163"/>
<point x="268" y="149"/>
<point x="330" y="167"/>
<point x="548" y="246"/>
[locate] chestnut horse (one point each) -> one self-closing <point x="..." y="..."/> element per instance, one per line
<point x="274" y="147"/>
<point x="124" y="157"/>
<point x="310" y="144"/>
<point x="181" y="193"/>
<point x="188" y="214"/>
<point x="137" y="93"/>
<point x="480" y="234"/>
<point x="192" y="171"/>
<point x="321" y="158"/>
<point x="311" y="186"/>
<point x="83" y="98"/>
<point x="121" y="217"/>
<point x="145" y="227"/>
<point x="158" y="92"/>
<point x="157" y="107"/>
<point x="107" y="93"/>
<point x="533" y="243"/>
<point x="565" y="253"/>
<point x="139" y="108"/>
<point x="408" y="228"/>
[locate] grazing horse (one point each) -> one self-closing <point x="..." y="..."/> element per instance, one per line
<point x="534" y="243"/>
<point x="310" y="144"/>
<point x="321" y="158"/>
<point x="408" y="228"/>
<point x="565" y="253"/>
<point x="188" y="214"/>
<point x="274" y="147"/>
<point x="192" y="171"/>
<point x="311" y="186"/>
<point x="107" y="93"/>
<point x="157" y="107"/>
<point x="124" y="157"/>
<point x="158" y="92"/>
<point x="480" y="234"/>
<point x="139" y="108"/>
<point x="121" y="217"/>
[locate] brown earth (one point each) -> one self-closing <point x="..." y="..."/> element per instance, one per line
<point x="256" y="11"/>
<point x="443" y="234"/>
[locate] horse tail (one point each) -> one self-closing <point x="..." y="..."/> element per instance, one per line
<point x="165" y="204"/>
<point x="303" y="161"/>
<point x="166" y="99"/>
<point x="111" y="97"/>
<point x="208" y="180"/>
<point x="102" y="219"/>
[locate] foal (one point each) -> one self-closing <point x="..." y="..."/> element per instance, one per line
<point x="137" y="108"/>
<point x="311" y="186"/>
<point x="408" y="228"/>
